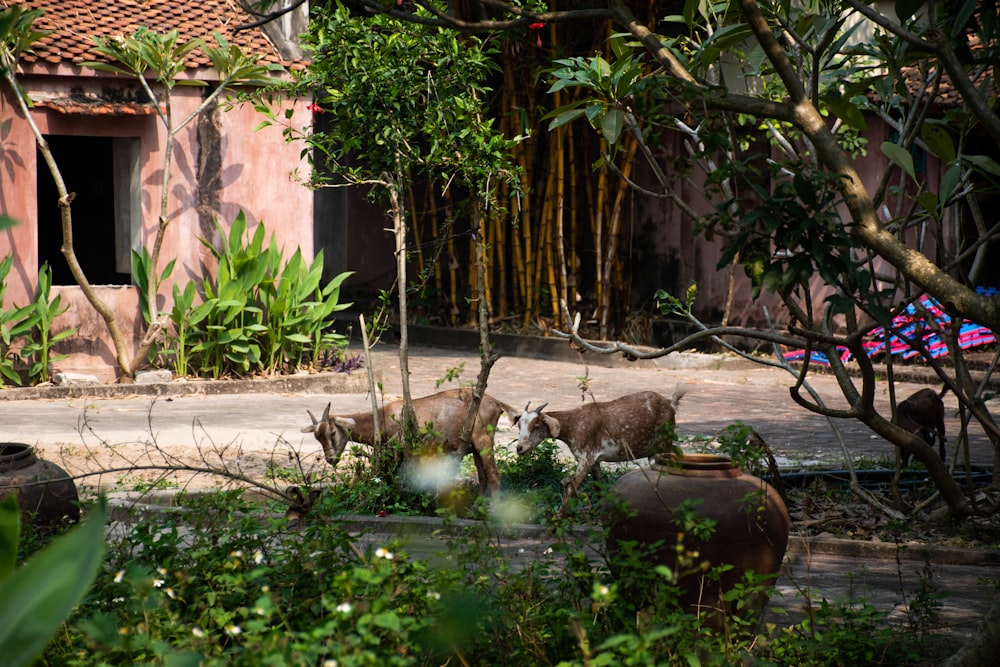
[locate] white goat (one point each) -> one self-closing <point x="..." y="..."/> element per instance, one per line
<point x="443" y="414"/>
<point x="631" y="427"/>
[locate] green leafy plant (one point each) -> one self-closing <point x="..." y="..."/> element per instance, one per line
<point x="12" y="324"/>
<point x="260" y="312"/>
<point x="37" y="329"/>
<point x="38" y="596"/>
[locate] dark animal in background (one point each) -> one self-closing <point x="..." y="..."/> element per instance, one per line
<point x="922" y="414"/>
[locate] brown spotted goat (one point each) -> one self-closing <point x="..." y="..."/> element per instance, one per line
<point x="922" y="414"/>
<point x="632" y="427"/>
<point x="443" y="414"/>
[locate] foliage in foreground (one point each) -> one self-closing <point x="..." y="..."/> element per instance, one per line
<point x="213" y="586"/>
<point x="36" y="597"/>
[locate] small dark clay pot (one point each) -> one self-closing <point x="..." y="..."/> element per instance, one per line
<point x="45" y="493"/>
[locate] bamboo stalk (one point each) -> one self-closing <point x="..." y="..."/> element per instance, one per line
<point x="597" y="225"/>
<point x="453" y="265"/>
<point x="543" y="255"/>
<point x="611" y="256"/>
<point x="434" y="213"/>
<point x="417" y="236"/>
<point x="525" y="227"/>
<point x="572" y="279"/>
<point x="560" y="295"/>
<point x="473" y="275"/>
<point x="498" y="255"/>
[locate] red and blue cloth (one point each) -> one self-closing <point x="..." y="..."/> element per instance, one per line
<point x="914" y="330"/>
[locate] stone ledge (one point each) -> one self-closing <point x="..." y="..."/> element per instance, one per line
<point x="312" y="383"/>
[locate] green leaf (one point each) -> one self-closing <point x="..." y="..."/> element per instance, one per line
<point x="567" y="117"/>
<point x="846" y="110"/>
<point x="388" y="620"/>
<point x="938" y="139"/>
<point x="899" y="157"/>
<point x="949" y="181"/>
<point x="612" y="124"/>
<point x="983" y="163"/>
<point x="10" y="529"/>
<point x="35" y="602"/>
<point x="928" y="200"/>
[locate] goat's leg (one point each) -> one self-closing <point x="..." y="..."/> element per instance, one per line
<point x="480" y="472"/>
<point x="595" y="471"/>
<point x="571" y="485"/>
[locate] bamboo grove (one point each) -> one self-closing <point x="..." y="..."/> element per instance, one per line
<point x="561" y="234"/>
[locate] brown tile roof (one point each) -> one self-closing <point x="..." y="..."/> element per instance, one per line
<point x="74" y="22"/>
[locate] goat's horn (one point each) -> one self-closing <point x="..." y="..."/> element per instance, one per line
<point x="527" y="406"/>
<point x="326" y="413"/>
<point x="540" y="408"/>
<point x="312" y="417"/>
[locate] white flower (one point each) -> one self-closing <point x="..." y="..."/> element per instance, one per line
<point x="265" y="589"/>
<point x="170" y="593"/>
<point x="162" y="571"/>
<point x="258" y="557"/>
<point x="233" y="630"/>
<point x="330" y="663"/>
<point x="344" y="607"/>
<point x="119" y="575"/>
<point x="259" y="611"/>
<point x="547" y="551"/>
<point x="603" y="591"/>
<point x="383" y="553"/>
<point x="236" y="554"/>
<point x="157" y="583"/>
<point x="434" y="595"/>
<point x="197" y="632"/>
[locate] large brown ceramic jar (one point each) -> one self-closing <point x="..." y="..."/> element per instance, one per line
<point x="751" y="525"/>
<point x="45" y="493"/>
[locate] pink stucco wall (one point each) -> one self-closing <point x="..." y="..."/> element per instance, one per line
<point x="670" y="255"/>
<point x="255" y="175"/>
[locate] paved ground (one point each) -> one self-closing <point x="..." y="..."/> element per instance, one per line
<point x="718" y="393"/>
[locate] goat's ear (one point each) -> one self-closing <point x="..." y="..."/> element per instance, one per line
<point x="553" y="425"/>
<point x="345" y="423"/>
<point x="326" y="413"/>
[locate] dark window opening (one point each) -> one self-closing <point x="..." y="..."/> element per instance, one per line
<point x="103" y="173"/>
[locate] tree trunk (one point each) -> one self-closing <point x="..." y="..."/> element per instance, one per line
<point x="399" y="227"/>
<point x="486" y="356"/>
